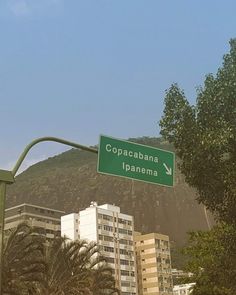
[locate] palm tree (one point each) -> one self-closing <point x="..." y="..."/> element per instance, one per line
<point x="103" y="281"/>
<point x="76" y="268"/>
<point x="23" y="261"/>
<point x="32" y="266"/>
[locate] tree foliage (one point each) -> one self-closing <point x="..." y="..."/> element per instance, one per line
<point x="23" y="261"/>
<point x="204" y="137"/>
<point x="76" y="268"/>
<point x="213" y="260"/>
<point x="33" y="265"/>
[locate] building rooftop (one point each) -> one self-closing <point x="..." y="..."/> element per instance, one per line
<point x="31" y="205"/>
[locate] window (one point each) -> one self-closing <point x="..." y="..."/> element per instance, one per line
<point x="108" y="249"/>
<point x="107" y="227"/>
<point x="122" y="221"/>
<point x="160" y="279"/>
<point x="108" y="239"/>
<point x="124" y="262"/>
<point x="157" y="242"/>
<point x="123" y="241"/>
<point x="124" y="272"/>
<point x="123" y="231"/>
<point x="107" y="217"/>
<point x="124" y="252"/>
<point x="125" y="284"/>
<point x="159" y="259"/>
<point x="166" y="244"/>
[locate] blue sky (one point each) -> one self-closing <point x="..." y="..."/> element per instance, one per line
<point x="77" y="69"/>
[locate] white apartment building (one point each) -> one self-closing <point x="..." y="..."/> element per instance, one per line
<point x="178" y="274"/>
<point x="70" y="226"/>
<point x="113" y="232"/>
<point x="184" y="289"/>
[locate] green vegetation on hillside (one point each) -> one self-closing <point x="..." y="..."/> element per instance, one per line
<point x="70" y="182"/>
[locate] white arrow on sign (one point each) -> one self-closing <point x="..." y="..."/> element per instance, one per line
<point x="168" y="170"/>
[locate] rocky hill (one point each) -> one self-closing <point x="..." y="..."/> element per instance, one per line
<point x="70" y="182"/>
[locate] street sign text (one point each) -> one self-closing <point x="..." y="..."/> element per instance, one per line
<point x="136" y="161"/>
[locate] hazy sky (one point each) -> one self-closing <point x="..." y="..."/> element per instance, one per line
<point x="77" y="69"/>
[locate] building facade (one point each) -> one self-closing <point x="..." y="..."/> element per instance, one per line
<point x="184" y="289"/>
<point x="47" y="221"/>
<point x="178" y="274"/>
<point x="70" y="226"/>
<point x="153" y="264"/>
<point x="113" y="232"/>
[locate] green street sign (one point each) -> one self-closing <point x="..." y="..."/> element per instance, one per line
<point x="135" y="161"/>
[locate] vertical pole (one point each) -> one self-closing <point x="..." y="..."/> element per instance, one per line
<point x="2" y="211"/>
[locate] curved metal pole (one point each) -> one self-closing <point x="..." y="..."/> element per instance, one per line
<point x="55" y="139"/>
<point x="7" y="177"/>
